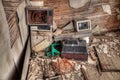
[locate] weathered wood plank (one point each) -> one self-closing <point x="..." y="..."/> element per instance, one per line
<point x="26" y="61"/>
<point x="91" y="73"/>
<point x="13" y="29"/>
<point x="12" y="21"/>
<point x="10" y="7"/>
<point x="109" y="63"/>
<point x="14" y="33"/>
<point x="14" y="4"/>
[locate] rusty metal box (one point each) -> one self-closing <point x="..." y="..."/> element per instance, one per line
<point x="75" y="49"/>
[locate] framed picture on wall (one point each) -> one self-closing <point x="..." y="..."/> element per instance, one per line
<point x="83" y="25"/>
<point x="39" y="15"/>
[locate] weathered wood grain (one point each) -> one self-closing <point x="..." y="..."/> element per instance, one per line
<point x="91" y="73"/>
<point x="10" y="7"/>
<point x="109" y="63"/>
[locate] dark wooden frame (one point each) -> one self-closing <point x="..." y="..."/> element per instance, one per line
<point x="39" y="9"/>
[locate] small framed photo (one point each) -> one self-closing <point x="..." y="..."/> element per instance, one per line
<point x="83" y="25"/>
<point x="39" y="15"/>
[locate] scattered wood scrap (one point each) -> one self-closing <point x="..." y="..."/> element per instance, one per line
<point x="41" y="46"/>
<point x="92" y="54"/>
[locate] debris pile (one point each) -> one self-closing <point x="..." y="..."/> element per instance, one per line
<point x="44" y="68"/>
<point x="47" y="62"/>
<point x="108" y="44"/>
<point x="66" y="53"/>
<point x="62" y="66"/>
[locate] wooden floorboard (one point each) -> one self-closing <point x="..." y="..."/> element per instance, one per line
<point x="107" y="49"/>
<point x="109" y="63"/>
<point x="91" y="73"/>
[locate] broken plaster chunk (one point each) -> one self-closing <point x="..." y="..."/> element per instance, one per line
<point x="57" y="32"/>
<point x="92" y="54"/>
<point x="77" y="67"/>
<point x="95" y="40"/>
<point x="108" y="55"/>
<point x="90" y="61"/>
<point x="107" y="8"/>
<point x="96" y="30"/>
<point x="104" y="48"/>
<point x="116" y="41"/>
<point x="41" y="46"/>
<point x="54" y="26"/>
<point x="84" y="67"/>
<point x="69" y="26"/>
<point x="78" y="3"/>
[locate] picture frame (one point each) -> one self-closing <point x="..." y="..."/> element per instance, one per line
<point x="39" y="15"/>
<point x="83" y="25"/>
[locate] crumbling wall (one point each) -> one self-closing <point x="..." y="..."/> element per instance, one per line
<point x="102" y="13"/>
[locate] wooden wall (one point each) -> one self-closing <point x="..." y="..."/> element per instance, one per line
<point x="6" y="60"/>
<point x="10" y="7"/>
<point x="14" y="26"/>
<point x="63" y="13"/>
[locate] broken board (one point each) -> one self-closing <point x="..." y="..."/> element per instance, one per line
<point x="108" y="63"/>
<point x="107" y="51"/>
<point x="92" y="73"/>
